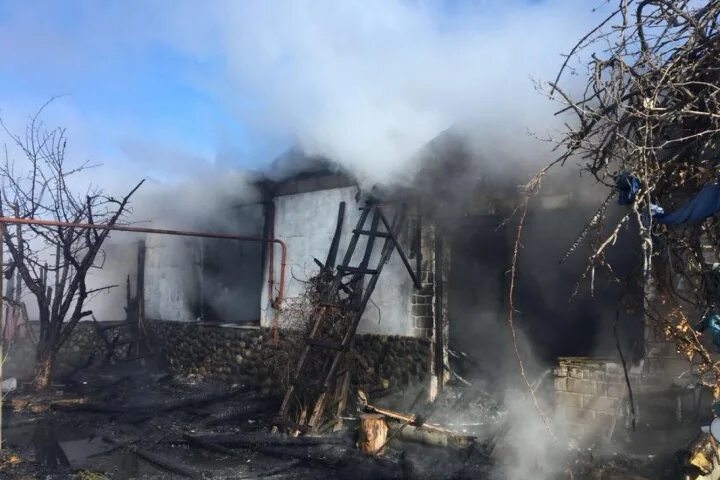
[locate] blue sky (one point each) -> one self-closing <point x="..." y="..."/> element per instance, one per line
<point x="134" y="92"/>
<point x="168" y="89"/>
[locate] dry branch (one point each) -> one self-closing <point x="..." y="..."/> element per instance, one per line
<point x="650" y="108"/>
<point x="53" y="262"/>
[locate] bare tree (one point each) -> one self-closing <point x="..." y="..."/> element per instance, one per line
<point x="648" y="113"/>
<point x="53" y="262"/>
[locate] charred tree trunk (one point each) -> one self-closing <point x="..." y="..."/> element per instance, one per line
<point x="43" y="369"/>
<point x="44" y="358"/>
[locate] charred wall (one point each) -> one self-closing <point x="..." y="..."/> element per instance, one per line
<point x="557" y="314"/>
<point x="209" y="279"/>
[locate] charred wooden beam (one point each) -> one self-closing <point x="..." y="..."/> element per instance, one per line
<point x="335" y="243"/>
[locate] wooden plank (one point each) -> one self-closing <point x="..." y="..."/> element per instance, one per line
<point x="318" y="411"/>
<point x="399" y="249"/>
<point x="341" y="394"/>
<point x="335" y="243"/>
<point x="413" y="420"/>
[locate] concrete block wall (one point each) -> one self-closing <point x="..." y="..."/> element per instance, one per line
<point x="592" y="395"/>
<point x="429" y="303"/>
<point x="423" y="299"/>
<point x="423" y="304"/>
<point x="422" y="309"/>
<point x="592" y="392"/>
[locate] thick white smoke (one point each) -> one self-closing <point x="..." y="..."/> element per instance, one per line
<point x="369" y="83"/>
<point x="364" y="83"/>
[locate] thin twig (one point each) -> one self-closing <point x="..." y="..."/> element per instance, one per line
<point x="511" y="311"/>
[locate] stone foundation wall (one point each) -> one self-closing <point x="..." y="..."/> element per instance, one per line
<point x="247" y="354"/>
<point x="238" y="354"/>
<point x="83" y="343"/>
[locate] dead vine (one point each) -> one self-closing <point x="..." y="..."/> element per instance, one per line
<point x="523" y="208"/>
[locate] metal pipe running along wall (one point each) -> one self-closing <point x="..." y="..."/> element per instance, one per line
<point x="275" y="303"/>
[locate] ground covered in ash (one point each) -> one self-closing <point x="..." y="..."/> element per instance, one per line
<point x="138" y="422"/>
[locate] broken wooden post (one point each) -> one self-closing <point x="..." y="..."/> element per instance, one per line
<point x="373" y="433"/>
<point x="335" y="243"/>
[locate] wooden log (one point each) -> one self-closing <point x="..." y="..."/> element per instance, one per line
<point x="431" y="438"/>
<point x="373" y="433"/>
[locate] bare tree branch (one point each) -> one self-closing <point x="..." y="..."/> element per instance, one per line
<point x="42" y="190"/>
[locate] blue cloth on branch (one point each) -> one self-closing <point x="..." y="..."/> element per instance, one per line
<point x="627" y="185"/>
<point x="701" y="206"/>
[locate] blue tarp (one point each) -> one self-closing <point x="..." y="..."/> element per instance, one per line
<point x="700" y="207"/>
<point x="704" y="204"/>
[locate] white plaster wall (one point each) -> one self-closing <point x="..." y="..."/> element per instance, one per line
<point x="119" y="262"/>
<point x="306" y="222"/>
<point x="171" y="277"/>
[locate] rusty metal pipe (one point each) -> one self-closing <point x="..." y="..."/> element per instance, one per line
<point x="182" y="233"/>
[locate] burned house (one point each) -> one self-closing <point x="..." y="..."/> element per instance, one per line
<point x="245" y="312"/>
<point x="458" y="242"/>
